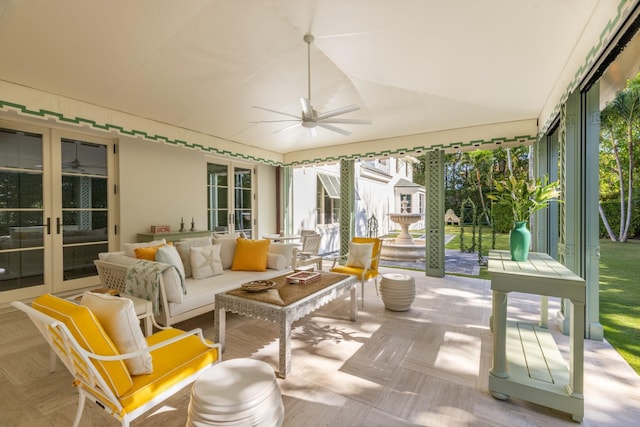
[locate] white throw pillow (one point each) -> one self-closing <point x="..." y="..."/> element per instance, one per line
<point x="169" y="255"/>
<point x="173" y="285"/>
<point x="205" y="261"/>
<point x="276" y="261"/>
<point x="118" y="318"/>
<point x="227" y="250"/>
<point x="129" y="248"/>
<point x="184" y="249"/>
<point x="285" y="249"/>
<point x="360" y="255"/>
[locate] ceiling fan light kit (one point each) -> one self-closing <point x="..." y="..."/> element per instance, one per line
<point x="309" y="117"/>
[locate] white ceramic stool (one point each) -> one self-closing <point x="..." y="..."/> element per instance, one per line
<point x="236" y="392"/>
<point x="398" y="291"/>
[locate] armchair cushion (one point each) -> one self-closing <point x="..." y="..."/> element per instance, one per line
<point x="355" y="271"/>
<point x="171" y="363"/>
<point x="89" y="333"/>
<point x="118" y="318"/>
<point x="375" y="253"/>
<point x="359" y="255"/>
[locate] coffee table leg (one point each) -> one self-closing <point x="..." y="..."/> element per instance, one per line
<point x="219" y="325"/>
<point x="285" y="347"/>
<point x="354" y="303"/>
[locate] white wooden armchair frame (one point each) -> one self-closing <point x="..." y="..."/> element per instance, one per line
<point x="87" y="378"/>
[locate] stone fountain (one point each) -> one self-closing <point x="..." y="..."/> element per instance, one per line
<point x="404" y="247"/>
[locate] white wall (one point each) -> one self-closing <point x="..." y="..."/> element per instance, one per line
<point x="265" y="187"/>
<point x="160" y="183"/>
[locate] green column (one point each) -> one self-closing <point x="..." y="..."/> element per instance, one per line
<point x="434" y="213"/>
<point x="591" y="221"/>
<point x="347" y="204"/>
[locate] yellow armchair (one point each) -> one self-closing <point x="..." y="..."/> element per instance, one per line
<point x="364" y="273"/>
<point x="98" y="369"/>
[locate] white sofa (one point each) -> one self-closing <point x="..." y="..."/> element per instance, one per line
<point x="199" y="298"/>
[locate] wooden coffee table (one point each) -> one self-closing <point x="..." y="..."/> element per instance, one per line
<point x="284" y="304"/>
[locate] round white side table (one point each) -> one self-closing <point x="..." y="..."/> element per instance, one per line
<point x="398" y="291"/>
<point x="236" y="392"/>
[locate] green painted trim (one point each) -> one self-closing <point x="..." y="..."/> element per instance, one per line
<point x="586" y="66"/>
<point x="80" y="121"/>
<point x="455" y="145"/>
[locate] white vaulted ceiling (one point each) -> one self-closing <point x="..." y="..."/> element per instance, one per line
<point x="413" y="66"/>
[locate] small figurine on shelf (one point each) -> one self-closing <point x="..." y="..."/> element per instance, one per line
<point x="182" y="224"/>
<point x="193" y="225"/>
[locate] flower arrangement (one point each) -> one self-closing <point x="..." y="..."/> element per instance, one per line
<point x="524" y="196"/>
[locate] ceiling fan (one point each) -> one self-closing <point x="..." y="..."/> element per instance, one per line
<point x="309" y="117"/>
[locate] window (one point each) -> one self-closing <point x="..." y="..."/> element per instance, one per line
<point x="328" y="199"/>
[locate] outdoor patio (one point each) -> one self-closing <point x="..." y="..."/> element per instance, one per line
<point x="427" y="366"/>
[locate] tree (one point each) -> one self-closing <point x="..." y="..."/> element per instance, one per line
<point x="619" y="135"/>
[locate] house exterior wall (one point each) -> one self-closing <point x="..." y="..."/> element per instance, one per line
<point x="375" y="196"/>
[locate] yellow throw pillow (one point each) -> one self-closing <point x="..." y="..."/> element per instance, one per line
<point x="148" y="252"/>
<point x="251" y="255"/>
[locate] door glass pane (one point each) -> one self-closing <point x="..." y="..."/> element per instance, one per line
<point x="21" y="210"/>
<point x="84" y="206"/>
<point x="242" y="200"/>
<point x="218" y="197"/>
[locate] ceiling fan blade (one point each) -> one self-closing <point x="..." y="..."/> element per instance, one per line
<point x="334" y="128"/>
<point x="339" y="111"/>
<point x="276" y="121"/>
<point x="346" y="121"/>
<point x="277" y="112"/>
<point x="307" y="110"/>
<point x="295" y="125"/>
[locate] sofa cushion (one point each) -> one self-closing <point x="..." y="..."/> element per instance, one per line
<point x="285" y="249"/>
<point x="118" y="318"/>
<point x="90" y="335"/>
<point x="251" y="255"/>
<point x="205" y="261"/>
<point x="129" y="248"/>
<point x="169" y="255"/>
<point x="184" y="249"/>
<point x="276" y="261"/>
<point x="147" y="252"/>
<point x="227" y="250"/>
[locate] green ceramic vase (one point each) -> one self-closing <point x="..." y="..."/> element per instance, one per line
<point x="519" y="241"/>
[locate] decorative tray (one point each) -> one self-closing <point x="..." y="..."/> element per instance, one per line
<point x="258" y="285"/>
<point x="303" y="277"/>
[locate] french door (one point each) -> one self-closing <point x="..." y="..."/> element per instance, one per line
<point x="54" y="209"/>
<point x="230" y="197"/>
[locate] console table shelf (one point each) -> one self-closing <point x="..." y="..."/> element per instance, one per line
<point x="172" y="236"/>
<point x="526" y="361"/>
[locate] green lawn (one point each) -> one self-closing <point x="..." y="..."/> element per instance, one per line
<point x="619" y="290"/>
<point x="620" y="298"/>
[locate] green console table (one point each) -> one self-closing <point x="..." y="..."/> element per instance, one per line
<point x="526" y="361"/>
<point x="172" y="236"/>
